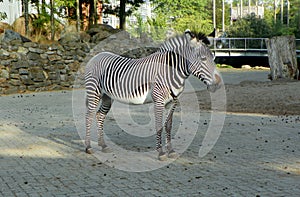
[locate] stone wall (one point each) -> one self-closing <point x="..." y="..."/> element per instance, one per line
<point x="38" y="67"/>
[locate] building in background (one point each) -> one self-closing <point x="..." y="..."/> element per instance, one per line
<point x="242" y="11"/>
<point x="12" y="9"/>
<point x="144" y="11"/>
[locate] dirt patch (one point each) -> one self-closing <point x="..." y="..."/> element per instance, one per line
<point x="274" y="97"/>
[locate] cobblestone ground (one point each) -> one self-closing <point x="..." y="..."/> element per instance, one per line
<point x="42" y="155"/>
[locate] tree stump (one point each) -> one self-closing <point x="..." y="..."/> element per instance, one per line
<point x="282" y="57"/>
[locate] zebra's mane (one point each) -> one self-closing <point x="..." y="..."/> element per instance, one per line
<point x="201" y="36"/>
<point x="177" y="42"/>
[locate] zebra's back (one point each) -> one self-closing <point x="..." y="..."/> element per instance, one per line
<point x="123" y="79"/>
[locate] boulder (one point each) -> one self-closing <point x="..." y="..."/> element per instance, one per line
<point x="19" y="24"/>
<point x="100" y="36"/>
<point x="100" y="32"/>
<point x="69" y="34"/>
<point x="100" y="28"/>
<point x="69" y="37"/>
<point x="246" y="67"/>
<point x="4" y="26"/>
<point x="10" y="35"/>
<point x="84" y="36"/>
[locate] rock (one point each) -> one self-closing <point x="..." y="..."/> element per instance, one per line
<point x="15" y="82"/>
<point x="4" y="52"/>
<point x="36" y="74"/>
<point x="69" y="34"/>
<point x="10" y="35"/>
<point x="85" y="37"/>
<point x="54" y="57"/>
<point x="14" y="76"/>
<point x="11" y="90"/>
<point x="246" y="67"/>
<point x="4" y="74"/>
<point x="19" y="24"/>
<point x="18" y="65"/>
<point x="100" y="36"/>
<point x="30" y="44"/>
<point x="33" y="56"/>
<point x="100" y="32"/>
<point x="100" y="28"/>
<point x="4" y="26"/>
<point x="35" y="50"/>
<point x="54" y="76"/>
<point x="69" y="37"/>
<point x="23" y="71"/>
<point x="22" y="50"/>
<point x="25" y="80"/>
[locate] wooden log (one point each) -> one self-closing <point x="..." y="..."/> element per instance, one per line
<point x="282" y="57"/>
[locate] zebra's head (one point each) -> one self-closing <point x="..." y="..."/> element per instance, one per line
<point x="201" y="60"/>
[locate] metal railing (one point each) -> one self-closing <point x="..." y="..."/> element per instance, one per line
<point x="243" y="44"/>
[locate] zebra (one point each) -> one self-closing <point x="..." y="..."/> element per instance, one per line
<point x="157" y="78"/>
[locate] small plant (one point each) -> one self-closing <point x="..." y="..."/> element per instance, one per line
<point x="223" y="66"/>
<point x="3" y="16"/>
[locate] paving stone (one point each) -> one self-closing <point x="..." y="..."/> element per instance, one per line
<point x="44" y="158"/>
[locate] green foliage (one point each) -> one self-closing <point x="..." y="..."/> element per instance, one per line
<point x="252" y="26"/>
<point x="249" y="26"/>
<point x="157" y="28"/>
<point x="223" y="66"/>
<point x="116" y="10"/>
<point x="184" y="14"/>
<point x="137" y="29"/>
<point x="3" y="16"/>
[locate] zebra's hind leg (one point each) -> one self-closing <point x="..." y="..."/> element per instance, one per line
<point x="100" y="115"/>
<point x="168" y="126"/>
<point x="92" y="102"/>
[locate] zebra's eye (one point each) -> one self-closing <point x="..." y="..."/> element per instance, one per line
<point x="203" y="59"/>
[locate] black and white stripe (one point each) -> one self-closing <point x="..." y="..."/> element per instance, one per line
<point x="157" y="78"/>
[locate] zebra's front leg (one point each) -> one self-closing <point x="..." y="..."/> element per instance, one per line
<point x="168" y="126"/>
<point x="88" y="123"/>
<point x="100" y="116"/>
<point x="158" y="113"/>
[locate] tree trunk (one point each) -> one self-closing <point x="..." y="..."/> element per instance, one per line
<point x="77" y="16"/>
<point x="122" y="14"/>
<point x="26" y="16"/>
<point x="91" y="13"/>
<point x="282" y="57"/>
<point x="52" y="19"/>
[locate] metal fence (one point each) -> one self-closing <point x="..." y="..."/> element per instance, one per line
<point x="243" y="44"/>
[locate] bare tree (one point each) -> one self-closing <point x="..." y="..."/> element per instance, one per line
<point x="26" y="16"/>
<point x="52" y="19"/>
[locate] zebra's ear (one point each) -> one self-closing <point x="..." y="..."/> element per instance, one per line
<point x="191" y="36"/>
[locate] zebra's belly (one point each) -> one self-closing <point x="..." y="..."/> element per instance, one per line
<point x="143" y="98"/>
<point x="137" y="100"/>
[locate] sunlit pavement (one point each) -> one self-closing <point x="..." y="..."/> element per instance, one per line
<point x="43" y="155"/>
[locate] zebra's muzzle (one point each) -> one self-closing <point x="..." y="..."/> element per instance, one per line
<point x="216" y="85"/>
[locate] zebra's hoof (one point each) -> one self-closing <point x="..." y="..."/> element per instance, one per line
<point x="172" y="154"/>
<point x="162" y="156"/>
<point x="106" y="150"/>
<point x="89" y="150"/>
